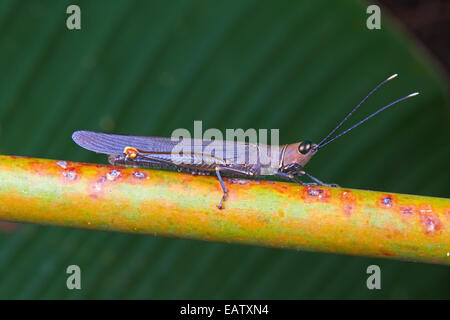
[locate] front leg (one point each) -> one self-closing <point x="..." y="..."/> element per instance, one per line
<point x="294" y="178"/>
<point x="317" y="181"/>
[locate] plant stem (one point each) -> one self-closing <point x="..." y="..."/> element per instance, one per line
<point x="256" y="212"/>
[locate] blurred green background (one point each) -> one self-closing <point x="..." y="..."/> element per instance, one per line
<point x="149" y="67"/>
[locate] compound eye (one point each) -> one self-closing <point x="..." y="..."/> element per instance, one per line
<point x="304" y="147"/>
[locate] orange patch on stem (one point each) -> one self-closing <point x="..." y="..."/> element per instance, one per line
<point x="96" y="188"/>
<point x="407" y="210"/>
<point x="429" y="220"/>
<point x="69" y="173"/>
<point x="311" y="194"/>
<point x="447" y="214"/>
<point x="387" y="201"/>
<point x="348" y="201"/>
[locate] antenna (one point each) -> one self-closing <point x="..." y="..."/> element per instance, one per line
<point x="324" y="140"/>
<point x="322" y="144"/>
<point x="356" y="108"/>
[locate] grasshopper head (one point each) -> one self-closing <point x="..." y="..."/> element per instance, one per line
<point x="298" y="154"/>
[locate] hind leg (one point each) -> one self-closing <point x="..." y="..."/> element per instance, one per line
<point x="231" y="170"/>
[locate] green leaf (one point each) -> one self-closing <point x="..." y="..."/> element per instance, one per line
<point x="150" y="67"/>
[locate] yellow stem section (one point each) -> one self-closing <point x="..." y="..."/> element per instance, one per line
<point x="256" y="212"/>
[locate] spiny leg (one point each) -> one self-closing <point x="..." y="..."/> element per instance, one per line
<point x="233" y="170"/>
<point x="294" y="178"/>
<point x="320" y="182"/>
<point x="224" y="197"/>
